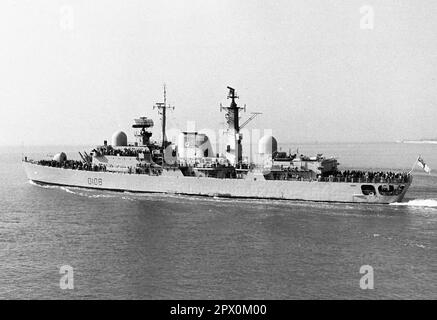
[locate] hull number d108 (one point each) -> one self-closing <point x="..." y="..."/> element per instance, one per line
<point x="95" y="181"/>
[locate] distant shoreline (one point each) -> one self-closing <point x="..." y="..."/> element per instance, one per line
<point x="420" y="141"/>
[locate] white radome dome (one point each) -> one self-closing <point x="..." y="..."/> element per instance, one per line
<point x="267" y="145"/>
<point x="119" y="139"/>
<point x="60" y="157"/>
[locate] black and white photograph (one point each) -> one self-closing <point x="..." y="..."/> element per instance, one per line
<point x="230" y="152"/>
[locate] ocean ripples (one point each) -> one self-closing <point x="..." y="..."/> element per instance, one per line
<point x="396" y="240"/>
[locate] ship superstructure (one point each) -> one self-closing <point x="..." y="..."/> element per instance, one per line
<point x="190" y="166"/>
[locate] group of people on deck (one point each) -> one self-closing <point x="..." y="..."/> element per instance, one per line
<point x="376" y="176"/>
<point x="72" y="164"/>
<point x="109" y="151"/>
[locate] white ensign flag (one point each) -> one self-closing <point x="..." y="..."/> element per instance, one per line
<point x="423" y="165"/>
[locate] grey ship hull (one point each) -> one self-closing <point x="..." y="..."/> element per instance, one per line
<point x="173" y="182"/>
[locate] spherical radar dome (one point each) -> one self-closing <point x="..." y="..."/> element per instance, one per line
<point x="60" y="157"/>
<point x="267" y="145"/>
<point x="119" y="139"/>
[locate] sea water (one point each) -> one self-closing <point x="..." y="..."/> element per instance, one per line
<point x="152" y="246"/>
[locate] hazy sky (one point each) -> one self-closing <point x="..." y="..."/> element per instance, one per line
<point x="73" y="72"/>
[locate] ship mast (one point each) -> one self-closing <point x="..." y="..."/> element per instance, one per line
<point x="234" y="149"/>
<point x="162" y="108"/>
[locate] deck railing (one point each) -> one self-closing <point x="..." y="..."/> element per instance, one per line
<point x="394" y="178"/>
<point x="402" y="179"/>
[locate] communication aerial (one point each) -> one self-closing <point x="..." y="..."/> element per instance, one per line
<point x="162" y="108"/>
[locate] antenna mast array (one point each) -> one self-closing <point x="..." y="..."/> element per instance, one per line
<point x="162" y="108"/>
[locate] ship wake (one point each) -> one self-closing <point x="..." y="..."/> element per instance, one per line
<point x="430" y="203"/>
<point x="81" y="192"/>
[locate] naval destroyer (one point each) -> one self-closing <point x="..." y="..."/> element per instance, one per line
<point x="190" y="167"/>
